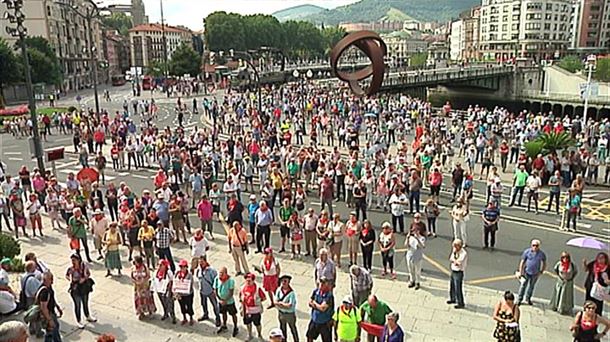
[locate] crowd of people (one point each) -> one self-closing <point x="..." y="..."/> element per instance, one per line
<point x="308" y="142"/>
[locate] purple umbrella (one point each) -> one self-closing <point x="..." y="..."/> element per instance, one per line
<point x="587" y="242"/>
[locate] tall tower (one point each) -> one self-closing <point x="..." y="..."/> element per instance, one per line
<point x="138" y="13"/>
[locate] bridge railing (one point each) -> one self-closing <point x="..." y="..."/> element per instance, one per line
<point x="433" y="76"/>
<point x="554" y="96"/>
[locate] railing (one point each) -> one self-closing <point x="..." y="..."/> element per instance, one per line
<point x="445" y="74"/>
<point x="552" y="96"/>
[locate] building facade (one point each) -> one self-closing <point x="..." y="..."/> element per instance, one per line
<point x="147" y="42"/>
<point x="456" y="40"/>
<point x="401" y="45"/>
<point x="135" y="10"/>
<point x="592" y="29"/>
<point x="68" y="35"/>
<point x="537" y="29"/>
<point x="116" y="53"/>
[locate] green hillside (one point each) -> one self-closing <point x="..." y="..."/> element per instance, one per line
<point x="373" y="10"/>
<point x="297" y="12"/>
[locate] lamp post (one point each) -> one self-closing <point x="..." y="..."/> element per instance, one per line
<point x="591" y="59"/>
<point x="89" y="14"/>
<point x="21" y="31"/>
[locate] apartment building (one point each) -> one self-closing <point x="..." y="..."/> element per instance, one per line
<point x="537" y="29"/>
<point x="146" y="42"/>
<point x="592" y="27"/>
<point x="68" y="35"/>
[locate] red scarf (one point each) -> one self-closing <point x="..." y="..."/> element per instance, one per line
<point x="268" y="262"/>
<point x="198" y="238"/>
<point x="161" y="273"/>
<point x="565" y="265"/>
<point x="182" y="274"/>
<point x="599" y="268"/>
<point x="365" y="232"/>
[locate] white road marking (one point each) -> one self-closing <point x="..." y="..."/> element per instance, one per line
<point x="12" y="153"/>
<point x="15" y="159"/>
<point x="139" y="176"/>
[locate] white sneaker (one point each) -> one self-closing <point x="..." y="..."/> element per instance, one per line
<point x="91" y="319"/>
<point x="80" y="325"/>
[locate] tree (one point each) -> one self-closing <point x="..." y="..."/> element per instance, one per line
<point x="225" y="31"/>
<point x="548" y="143"/>
<point x="571" y="64"/>
<point x="602" y="70"/>
<point x="119" y="22"/>
<point x="332" y="35"/>
<point x="43" y="69"/>
<point x="156" y="68"/>
<point x="9" y="63"/>
<point x="418" y="60"/>
<point x="185" y="61"/>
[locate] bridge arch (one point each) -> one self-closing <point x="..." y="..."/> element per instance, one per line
<point x="546" y="107"/>
<point x="604" y="113"/>
<point x="578" y="110"/>
<point x="536" y="107"/>
<point x="557" y="109"/>
<point x="568" y="110"/>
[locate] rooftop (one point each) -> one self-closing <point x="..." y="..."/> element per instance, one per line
<point x="155" y="27"/>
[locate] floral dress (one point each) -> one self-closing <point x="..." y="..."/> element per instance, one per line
<point x="504" y="333"/>
<point x="142" y="296"/>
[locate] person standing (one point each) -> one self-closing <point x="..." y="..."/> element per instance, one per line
<point x="325" y="268"/>
<point x="162" y="284"/>
<point x="206" y="275"/>
<point x="457" y="177"/>
<point x="507" y="314"/>
<point x="322" y="304"/>
<point x="598" y="274"/>
<point x="432" y="212"/>
<point x="264" y="219"/>
<point x="352" y="232"/>
<point x="458" y="260"/>
<point x="205" y="212"/>
<point x="361" y="284"/>
<point x="98" y="226"/>
<point x="50" y="310"/>
<point x="77" y="229"/>
<point x="387" y="242"/>
<point x="533" y="184"/>
<point x="367" y="244"/>
<point x="251" y="298"/>
<point x="460" y="215"/>
<point x="392" y="332"/>
<point x="532" y="265"/>
<point x="111" y="242"/>
<point x="586" y="322"/>
<point x="183" y="289"/>
<point x="415" y="243"/>
<point x="346" y="321"/>
<point x="224" y="288"/>
<point x="562" y="299"/>
<point x="143" y="298"/>
<point x="326" y="194"/>
<point x="398" y="202"/>
<point x="238" y="247"/>
<point x="519" y="183"/>
<point x="30" y="285"/>
<point x="490" y="217"/>
<point x="311" y="241"/>
<point x="270" y="268"/>
<point x="78" y="274"/>
<point x="286" y="301"/>
<point x="285" y="213"/>
<point x="554" y="191"/>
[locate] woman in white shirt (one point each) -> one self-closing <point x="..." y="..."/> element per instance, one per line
<point x="336" y="229"/>
<point x="459" y="213"/>
<point x="33" y="207"/>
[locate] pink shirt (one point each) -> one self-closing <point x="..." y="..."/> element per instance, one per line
<point x="38" y="183"/>
<point x="204" y="210"/>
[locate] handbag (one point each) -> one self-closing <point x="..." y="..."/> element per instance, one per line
<point x="32" y="314"/>
<point x="74" y="244"/>
<point x="244" y="247"/>
<point x="599" y="292"/>
<point x="576" y="330"/>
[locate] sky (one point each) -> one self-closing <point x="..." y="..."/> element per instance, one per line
<point x="190" y="13"/>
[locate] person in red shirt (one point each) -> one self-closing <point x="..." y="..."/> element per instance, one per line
<point x="251" y="296"/>
<point x="504" y="149"/>
<point x="436" y="180"/>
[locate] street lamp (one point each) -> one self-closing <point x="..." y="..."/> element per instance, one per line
<point x="590" y="65"/>
<point x="89" y="14"/>
<point x="17" y="17"/>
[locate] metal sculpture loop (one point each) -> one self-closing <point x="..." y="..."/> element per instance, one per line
<point x="371" y="44"/>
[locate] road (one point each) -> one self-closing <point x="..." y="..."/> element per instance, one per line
<point x="492" y="269"/>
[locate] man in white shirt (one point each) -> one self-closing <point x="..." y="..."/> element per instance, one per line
<point x="311" y="237"/>
<point x="533" y="184"/>
<point x="398" y="202"/>
<point x="458" y="259"/>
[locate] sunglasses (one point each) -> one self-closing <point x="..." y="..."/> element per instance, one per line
<point x="590" y="308"/>
<point x="535" y="245"/>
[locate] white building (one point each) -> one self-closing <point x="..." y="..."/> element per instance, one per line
<point x="538" y="29"/>
<point x="456" y="40"/>
<point x="147" y="42"/>
<point x="67" y="33"/>
<point x="402" y="44"/>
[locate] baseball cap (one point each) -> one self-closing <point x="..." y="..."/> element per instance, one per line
<point x="276" y="333"/>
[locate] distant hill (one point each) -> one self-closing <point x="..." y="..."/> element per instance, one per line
<point x="373" y="10"/>
<point x="297" y="12"/>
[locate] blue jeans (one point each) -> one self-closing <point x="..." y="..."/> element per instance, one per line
<point x="53" y="335"/>
<point x="456" y="293"/>
<point x="527" y="287"/>
<point x="214" y="301"/>
<point x="414" y="202"/>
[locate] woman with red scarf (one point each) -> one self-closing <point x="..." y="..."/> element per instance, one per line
<point x="184" y="292"/>
<point x="162" y="285"/>
<point x="270" y="268"/>
<point x="598" y="274"/>
<point x="562" y="299"/>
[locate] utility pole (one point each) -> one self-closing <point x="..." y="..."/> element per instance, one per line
<point x="21" y="31"/>
<point x="591" y="59"/>
<point x="164" y="39"/>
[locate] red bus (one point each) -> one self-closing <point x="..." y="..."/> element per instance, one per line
<point x="147" y="83"/>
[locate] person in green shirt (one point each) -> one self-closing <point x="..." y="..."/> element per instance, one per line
<point x="519" y="182"/>
<point x="285" y="212"/>
<point x="346" y="321"/>
<point x="77" y="229"/>
<point x="374" y="311"/>
<point x="293" y="171"/>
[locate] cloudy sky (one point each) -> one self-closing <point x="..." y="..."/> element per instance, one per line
<point x="191" y="12"/>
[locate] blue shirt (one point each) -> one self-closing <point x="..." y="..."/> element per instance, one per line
<point x="162" y="209"/>
<point x="264" y="218"/>
<point x="318" y="316"/>
<point x="252" y="208"/>
<point x="397" y="336"/>
<point x="289" y="298"/>
<point x="491" y="214"/>
<point x="206" y="280"/>
<point x="197" y="183"/>
<point x="533" y="261"/>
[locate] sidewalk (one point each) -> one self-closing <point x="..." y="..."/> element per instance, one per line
<point x="424" y="315"/>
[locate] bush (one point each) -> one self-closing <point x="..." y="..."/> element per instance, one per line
<point x="17" y="265"/>
<point x="71" y="109"/>
<point x="9" y="247"/>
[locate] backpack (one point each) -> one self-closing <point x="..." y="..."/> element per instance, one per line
<point x="22" y="296"/>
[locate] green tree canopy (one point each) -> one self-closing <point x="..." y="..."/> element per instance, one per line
<point x="602" y="70"/>
<point x="156" y="68"/>
<point x="44" y="70"/>
<point x="418" y="60"/>
<point x="9" y="64"/>
<point x="118" y="21"/>
<point x="570" y="63"/>
<point x="185" y="61"/>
